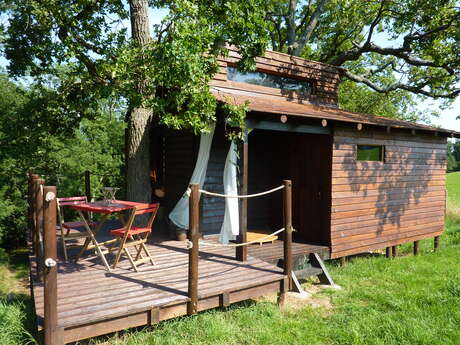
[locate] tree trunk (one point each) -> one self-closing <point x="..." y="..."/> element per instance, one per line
<point x="291" y="26"/>
<point x="138" y="135"/>
<point x="138" y="156"/>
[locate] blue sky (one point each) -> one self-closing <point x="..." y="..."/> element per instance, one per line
<point x="447" y="118"/>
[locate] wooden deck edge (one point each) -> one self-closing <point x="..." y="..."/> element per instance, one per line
<point x="152" y="316"/>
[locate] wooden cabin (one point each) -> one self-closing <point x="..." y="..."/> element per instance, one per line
<point x="360" y="182"/>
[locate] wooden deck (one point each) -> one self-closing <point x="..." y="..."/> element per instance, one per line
<point x="92" y="301"/>
<point x="273" y="252"/>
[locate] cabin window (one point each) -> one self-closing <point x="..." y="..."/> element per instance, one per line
<point x="374" y="153"/>
<point x="270" y="80"/>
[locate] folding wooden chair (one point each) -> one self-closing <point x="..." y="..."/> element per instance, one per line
<point x="71" y="231"/>
<point x="132" y="236"/>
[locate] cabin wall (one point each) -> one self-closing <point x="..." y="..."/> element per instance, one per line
<point x="180" y="154"/>
<point x="380" y="204"/>
<point x="213" y="208"/>
<point x="325" y="78"/>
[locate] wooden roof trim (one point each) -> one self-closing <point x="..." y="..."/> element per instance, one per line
<point x="262" y="103"/>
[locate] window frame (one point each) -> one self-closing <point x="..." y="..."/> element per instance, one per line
<point x="382" y="152"/>
<point x="308" y="93"/>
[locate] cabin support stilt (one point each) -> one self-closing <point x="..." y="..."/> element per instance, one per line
<point x="416" y="247"/>
<point x="436" y="243"/>
<point x="388" y="252"/>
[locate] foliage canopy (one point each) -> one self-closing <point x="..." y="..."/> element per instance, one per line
<point x="33" y="138"/>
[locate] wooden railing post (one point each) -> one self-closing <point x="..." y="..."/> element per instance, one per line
<point x="30" y="210"/>
<point x="242" y="251"/>
<point x="38" y="229"/>
<point x="53" y="335"/>
<point x="287" y="203"/>
<point x="88" y="185"/>
<point x="193" y="233"/>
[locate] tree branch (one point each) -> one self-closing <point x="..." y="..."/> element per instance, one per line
<point x="290" y="25"/>
<point x="313" y="22"/>
<point x="402" y="53"/>
<point x="376" y="20"/>
<point x="305" y="17"/>
<point x="86" y="44"/>
<point x="63" y="35"/>
<point x="417" y="89"/>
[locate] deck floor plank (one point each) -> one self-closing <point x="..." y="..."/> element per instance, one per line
<point x="93" y="301"/>
<point x="87" y="293"/>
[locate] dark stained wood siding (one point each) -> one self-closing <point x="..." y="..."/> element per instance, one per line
<point x="213" y="208"/>
<point x="181" y="150"/>
<point x="325" y="78"/>
<point x="380" y="204"/>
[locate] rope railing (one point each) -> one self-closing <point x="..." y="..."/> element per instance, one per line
<point x="202" y="191"/>
<point x="234" y="245"/>
<point x="194" y="242"/>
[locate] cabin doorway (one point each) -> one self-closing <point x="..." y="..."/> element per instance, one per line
<point x="306" y="160"/>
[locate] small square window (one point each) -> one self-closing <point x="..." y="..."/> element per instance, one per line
<point x="374" y="153"/>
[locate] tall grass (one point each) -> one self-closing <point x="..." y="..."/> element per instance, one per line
<point x="16" y="309"/>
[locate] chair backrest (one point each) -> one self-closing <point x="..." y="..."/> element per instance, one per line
<point x="73" y="200"/>
<point x="149" y="208"/>
<point x="144" y="209"/>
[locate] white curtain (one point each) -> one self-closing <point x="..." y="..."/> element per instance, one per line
<point x="230" y="226"/>
<point x="179" y="215"/>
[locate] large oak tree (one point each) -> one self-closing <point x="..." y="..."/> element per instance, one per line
<point x="161" y="71"/>
<point x="395" y="49"/>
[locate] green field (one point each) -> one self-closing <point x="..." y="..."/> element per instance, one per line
<point x="453" y="189"/>
<point x="404" y="301"/>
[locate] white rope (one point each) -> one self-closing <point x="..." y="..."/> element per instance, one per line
<point x="241" y="196"/>
<point x="232" y="245"/>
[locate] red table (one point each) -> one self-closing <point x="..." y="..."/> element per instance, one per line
<point x="106" y="208"/>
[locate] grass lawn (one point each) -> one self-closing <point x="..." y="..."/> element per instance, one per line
<point x="408" y="300"/>
<point x="453" y="188"/>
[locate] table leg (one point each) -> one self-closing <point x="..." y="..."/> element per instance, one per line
<point x="88" y="229"/>
<point x="91" y="238"/>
